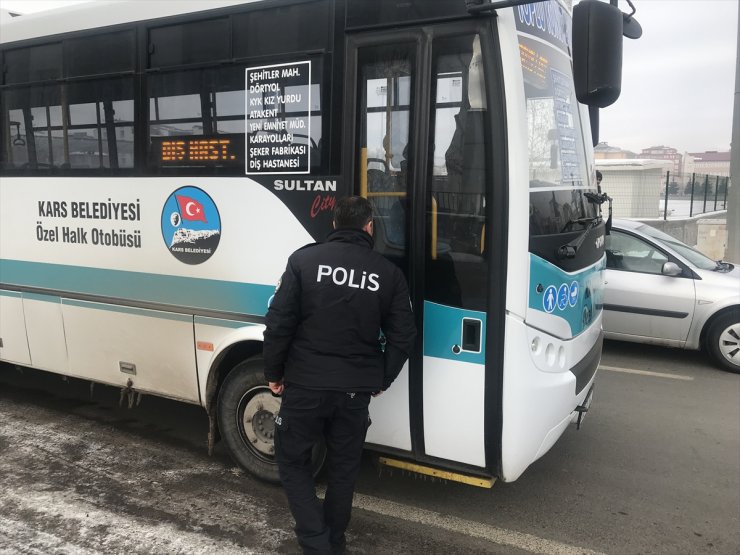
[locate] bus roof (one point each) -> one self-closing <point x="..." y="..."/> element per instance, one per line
<point x="98" y="13"/>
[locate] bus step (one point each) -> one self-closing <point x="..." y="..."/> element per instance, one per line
<point x="477" y="481"/>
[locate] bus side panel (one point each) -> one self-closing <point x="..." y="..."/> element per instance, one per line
<point x="517" y="284"/>
<point x="45" y="329"/>
<point x="257" y="233"/>
<point x="212" y="337"/>
<point x="13" y="341"/>
<point x="390" y="415"/>
<point x="534" y="402"/>
<point x="115" y="344"/>
<point x="452" y="431"/>
<point x="452" y="373"/>
<point x="541" y="393"/>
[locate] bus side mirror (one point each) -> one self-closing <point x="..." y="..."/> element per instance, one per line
<point x="597" y="52"/>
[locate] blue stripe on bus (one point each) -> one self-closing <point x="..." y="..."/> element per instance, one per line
<point x="443" y="330"/>
<point x="186" y="292"/>
<point x="14" y="294"/>
<point x="56" y="299"/>
<point x="130" y="310"/>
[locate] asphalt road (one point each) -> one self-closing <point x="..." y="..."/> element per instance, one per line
<point x="655" y="469"/>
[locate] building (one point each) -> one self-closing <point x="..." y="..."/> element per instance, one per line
<point x="712" y="162"/>
<point x="603" y="151"/>
<point x="634" y="185"/>
<point x="665" y="153"/>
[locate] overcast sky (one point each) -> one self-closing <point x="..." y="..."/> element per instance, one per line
<point x="679" y="78"/>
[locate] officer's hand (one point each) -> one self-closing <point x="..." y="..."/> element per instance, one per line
<point x="276" y="387"/>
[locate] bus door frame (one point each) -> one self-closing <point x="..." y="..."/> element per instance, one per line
<point x="421" y="150"/>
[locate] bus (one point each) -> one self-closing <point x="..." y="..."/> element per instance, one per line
<point x="160" y="161"/>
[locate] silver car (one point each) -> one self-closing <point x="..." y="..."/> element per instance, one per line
<point x="661" y="291"/>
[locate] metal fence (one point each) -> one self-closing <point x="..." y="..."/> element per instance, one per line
<point x="693" y="194"/>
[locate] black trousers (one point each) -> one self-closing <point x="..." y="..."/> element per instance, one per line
<point x="342" y="420"/>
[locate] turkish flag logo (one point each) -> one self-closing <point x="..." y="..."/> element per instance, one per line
<point x="191" y="209"/>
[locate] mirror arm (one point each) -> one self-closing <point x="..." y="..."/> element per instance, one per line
<point x="634" y="10"/>
<point x="615" y="3"/>
<point x="593" y="118"/>
<point x="476" y="7"/>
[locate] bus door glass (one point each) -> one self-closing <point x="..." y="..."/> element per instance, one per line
<point x="386" y="82"/>
<point x="441" y="195"/>
<point x="385" y="89"/>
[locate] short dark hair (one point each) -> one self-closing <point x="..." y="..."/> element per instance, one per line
<point x="598" y="175"/>
<point x="354" y="212"/>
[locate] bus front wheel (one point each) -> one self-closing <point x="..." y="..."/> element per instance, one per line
<point x="246" y="412"/>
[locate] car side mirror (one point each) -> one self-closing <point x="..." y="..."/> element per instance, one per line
<point x="671" y="269"/>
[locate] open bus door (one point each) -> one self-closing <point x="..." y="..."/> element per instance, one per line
<point x="421" y="150"/>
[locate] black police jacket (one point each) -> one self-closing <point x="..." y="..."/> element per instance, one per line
<point x="324" y="322"/>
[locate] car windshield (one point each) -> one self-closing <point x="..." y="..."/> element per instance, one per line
<point x="695" y="257"/>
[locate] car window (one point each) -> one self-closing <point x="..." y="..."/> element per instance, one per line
<point x="692" y="255"/>
<point x="626" y="252"/>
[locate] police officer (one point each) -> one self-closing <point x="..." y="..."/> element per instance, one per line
<point x="323" y="353"/>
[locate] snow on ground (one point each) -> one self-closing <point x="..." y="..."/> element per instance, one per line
<point x="116" y="493"/>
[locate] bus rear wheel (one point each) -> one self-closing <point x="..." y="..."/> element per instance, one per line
<point x="246" y="412"/>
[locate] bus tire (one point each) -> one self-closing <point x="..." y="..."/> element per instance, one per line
<point x="723" y="340"/>
<point x="246" y="409"/>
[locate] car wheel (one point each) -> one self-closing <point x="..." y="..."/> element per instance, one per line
<point x="246" y="412"/>
<point x="723" y="340"/>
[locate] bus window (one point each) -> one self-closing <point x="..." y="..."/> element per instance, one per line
<point x="86" y="125"/>
<point x="101" y="124"/>
<point x="386" y="90"/>
<point x="105" y="53"/>
<point x="185" y="103"/>
<point x="189" y="43"/>
<point x="210" y="103"/>
<point x="36" y="63"/>
<point x="456" y="272"/>
<point x="254" y="31"/>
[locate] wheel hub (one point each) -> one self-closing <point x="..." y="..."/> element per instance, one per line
<point x="729" y="343"/>
<point x="258" y="422"/>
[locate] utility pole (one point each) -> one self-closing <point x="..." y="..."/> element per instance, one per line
<point x="733" y="195"/>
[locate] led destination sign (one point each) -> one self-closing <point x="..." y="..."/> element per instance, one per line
<point x="198" y="150"/>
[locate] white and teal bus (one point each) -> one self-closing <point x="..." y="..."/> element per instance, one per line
<point x="160" y="160"/>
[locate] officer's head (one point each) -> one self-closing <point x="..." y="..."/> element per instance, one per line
<point x="354" y="213"/>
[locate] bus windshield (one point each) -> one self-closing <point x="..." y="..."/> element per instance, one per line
<point x="557" y="157"/>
